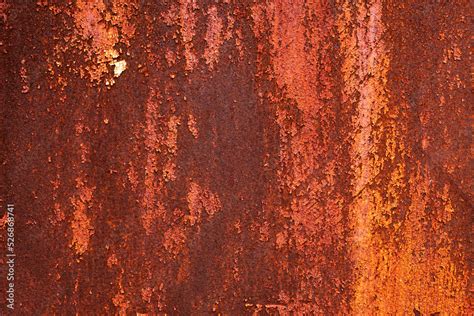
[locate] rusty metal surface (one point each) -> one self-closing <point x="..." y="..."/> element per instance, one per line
<point x="238" y="157"/>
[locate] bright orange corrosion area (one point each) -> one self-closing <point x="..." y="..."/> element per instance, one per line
<point x="238" y="157"/>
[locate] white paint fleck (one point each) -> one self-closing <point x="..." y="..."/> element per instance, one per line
<point x="120" y="67"/>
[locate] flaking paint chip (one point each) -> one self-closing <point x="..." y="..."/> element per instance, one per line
<point x="120" y="67"/>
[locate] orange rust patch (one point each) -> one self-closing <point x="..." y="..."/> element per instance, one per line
<point x="81" y="225"/>
<point x="201" y="200"/>
<point x="192" y="126"/>
<point x="214" y="38"/>
<point x="187" y="23"/>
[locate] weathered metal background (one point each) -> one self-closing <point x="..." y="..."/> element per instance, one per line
<point x="238" y="157"/>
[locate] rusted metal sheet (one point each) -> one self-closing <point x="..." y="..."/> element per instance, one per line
<point x="237" y="157"/>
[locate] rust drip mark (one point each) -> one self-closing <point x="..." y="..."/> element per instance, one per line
<point x="192" y="126"/>
<point x="172" y="148"/>
<point x="161" y="155"/>
<point x="82" y="228"/>
<point x="58" y="215"/>
<point x="214" y="37"/>
<point x="302" y="70"/>
<point x="438" y="283"/>
<point x="229" y="30"/>
<point x="291" y="57"/>
<point x="385" y="269"/>
<point x="132" y="176"/>
<point x="188" y="24"/>
<point x="365" y="70"/>
<point x="81" y="225"/>
<point x="120" y="300"/>
<point x="152" y="207"/>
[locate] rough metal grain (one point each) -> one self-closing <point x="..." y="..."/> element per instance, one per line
<point x="238" y="157"/>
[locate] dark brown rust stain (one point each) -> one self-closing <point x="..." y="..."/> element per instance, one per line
<point x="255" y="157"/>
